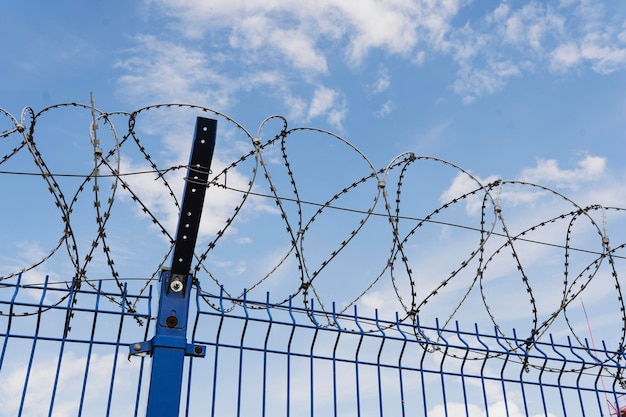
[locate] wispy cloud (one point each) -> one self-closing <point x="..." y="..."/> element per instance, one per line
<point x="163" y="71"/>
<point x="463" y="184"/>
<point x="295" y="42"/>
<point x="383" y="81"/>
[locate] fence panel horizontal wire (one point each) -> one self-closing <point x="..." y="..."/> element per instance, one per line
<point x="51" y="365"/>
<point x="265" y="359"/>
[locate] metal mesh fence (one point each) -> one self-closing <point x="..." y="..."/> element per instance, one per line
<point x="264" y="359"/>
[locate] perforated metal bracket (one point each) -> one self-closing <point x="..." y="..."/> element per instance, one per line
<point x="193" y="197"/>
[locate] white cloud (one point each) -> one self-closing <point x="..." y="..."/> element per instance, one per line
<point x="41" y="380"/>
<point x="499" y="408"/>
<point x="302" y="38"/>
<point x="463" y="184"/>
<point x="382" y="83"/>
<point x="386" y="108"/>
<point x="605" y="58"/>
<point x="296" y="106"/>
<point x="244" y="240"/>
<point x="499" y="13"/>
<point x="327" y="102"/>
<point x="473" y="82"/>
<point x="293" y="44"/>
<point x="548" y="171"/>
<point x="295" y="41"/>
<point x="384" y="300"/>
<point x="379" y="25"/>
<point x="31" y="253"/>
<point x="163" y="71"/>
<point x="456" y="409"/>
<point x="390" y="25"/>
<point x="323" y="99"/>
<point x="532" y="25"/>
<point x="565" y="56"/>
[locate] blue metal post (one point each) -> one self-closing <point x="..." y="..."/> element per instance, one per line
<point x="169" y="345"/>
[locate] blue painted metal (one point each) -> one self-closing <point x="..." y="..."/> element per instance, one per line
<point x="378" y="364"/>
<point x="241" y="351"/>
<point x="169" y="345"/>
<point x="289" y="373"/>
<point x="267" y="334"/>
<point x="33" y="346"/>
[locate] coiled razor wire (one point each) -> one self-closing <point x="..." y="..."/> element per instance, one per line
<point x="272" y="177"/>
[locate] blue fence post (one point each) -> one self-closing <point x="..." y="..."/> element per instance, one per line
<point x="169" y="345"/>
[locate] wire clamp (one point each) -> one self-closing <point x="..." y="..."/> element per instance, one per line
<point x="145" y="348"/>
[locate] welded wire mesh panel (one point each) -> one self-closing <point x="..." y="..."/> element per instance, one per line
<point x="64" y="350"/>
<point x="269" y="360"/>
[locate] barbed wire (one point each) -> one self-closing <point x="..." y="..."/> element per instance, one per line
<point x="369" y="195"/>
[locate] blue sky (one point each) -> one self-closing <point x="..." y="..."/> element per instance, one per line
<point x="473" y="83"/>
<point x="530" y="91"/>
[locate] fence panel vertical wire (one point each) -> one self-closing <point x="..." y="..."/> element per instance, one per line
<point x="334" y="360"/>
<point x="311" y="360"/>
<point x="507" y="356"/>
<point x="611" y="358"/>
<point x="289" y="356"/>
<point x="10" y="319"/>
<point x="270" y="321"/>
<point x="217" y="350"/>
<point x="400" y="367"/>
<point x="487" y="355"/>
<point x="378" y="365"/>
<point x="277" y="356"/>
<point x="561" y="372"/>
<point x="193" y="341"/>
<point x="462" y="367"/>
<point x="142" y="362"/>
<point x="523" y="369"/>
<point x="117" y="348"/>
<point x="599" y="365"/>
<point x="442" y="373"/>
<point x="541" y="375"/>
<point x="578" y="377"/>
<point x="426" y="345"/>
<point x="241" y="351"/>
<point x="356" y="362"/>
<point x="70" y="300"/>
<point x="33" y="346"/>
<point x="90" y="348"/>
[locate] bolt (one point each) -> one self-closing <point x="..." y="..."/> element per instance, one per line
<point x="137" y="347"/>
<point x="197" y="349"/>
<point x="171" y="322"/>
<point x="176" y="286"/>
